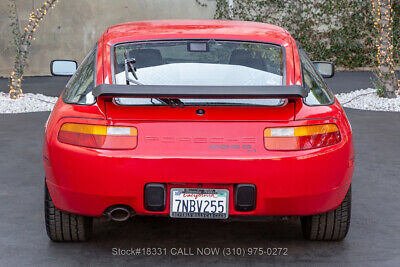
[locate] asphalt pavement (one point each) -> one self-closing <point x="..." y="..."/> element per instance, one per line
<point x="373" y="240"/>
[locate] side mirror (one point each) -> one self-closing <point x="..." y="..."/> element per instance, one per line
<point x="326" y="69"/>
<point x="63" y="67"/>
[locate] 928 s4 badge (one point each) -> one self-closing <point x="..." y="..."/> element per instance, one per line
<point x="248" y="148"/>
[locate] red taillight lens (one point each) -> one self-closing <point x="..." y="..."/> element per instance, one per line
<point x="303" y="137"/>
<point x="98" y="136"/>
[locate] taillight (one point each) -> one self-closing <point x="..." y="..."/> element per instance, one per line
<point x="98" y="136"/>
<point x="302" y="137"/>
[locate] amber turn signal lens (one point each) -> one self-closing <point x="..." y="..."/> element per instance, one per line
<point x="302" y="137"/>
<point x="98" y="136"/>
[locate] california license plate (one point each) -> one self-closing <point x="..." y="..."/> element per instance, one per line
<point x="199" y="203"/>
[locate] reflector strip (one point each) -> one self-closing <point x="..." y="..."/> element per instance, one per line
<point x="301" y="131"/>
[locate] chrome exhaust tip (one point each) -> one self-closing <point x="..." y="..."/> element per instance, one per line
<point x="119" y="213"/>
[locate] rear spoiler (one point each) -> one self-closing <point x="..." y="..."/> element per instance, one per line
<point x="195" y="91"/>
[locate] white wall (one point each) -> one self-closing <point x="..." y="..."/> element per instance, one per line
<point x="72" y="27"/>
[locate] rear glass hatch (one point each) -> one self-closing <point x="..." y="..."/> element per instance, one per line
<point x="204" y="63"/>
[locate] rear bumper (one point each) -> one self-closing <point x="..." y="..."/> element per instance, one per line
<point x="95" y="205"/>
<point x="87" y="181"/>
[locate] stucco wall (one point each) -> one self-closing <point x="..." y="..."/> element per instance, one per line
<point x="72" y="27"/>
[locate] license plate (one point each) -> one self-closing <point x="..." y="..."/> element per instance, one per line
<point x="199" y="203"/>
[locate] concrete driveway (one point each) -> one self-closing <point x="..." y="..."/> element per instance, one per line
<point x="373" y="240"/>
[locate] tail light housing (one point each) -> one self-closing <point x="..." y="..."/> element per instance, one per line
<point x="302" y="137"/>
<point x="98" y="136"/>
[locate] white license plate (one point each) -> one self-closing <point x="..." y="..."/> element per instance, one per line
<point x="199" y="203"/>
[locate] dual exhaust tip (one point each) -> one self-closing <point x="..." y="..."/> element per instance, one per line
<point x="119" y="213"/>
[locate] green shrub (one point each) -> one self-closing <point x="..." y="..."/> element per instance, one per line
<point x="337" y="30"/>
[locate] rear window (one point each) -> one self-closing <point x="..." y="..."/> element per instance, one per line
<point x="201" y="62"/>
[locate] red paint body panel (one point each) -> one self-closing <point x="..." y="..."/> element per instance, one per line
<point x="173" y="144"/>
<point x="283" y="113"/>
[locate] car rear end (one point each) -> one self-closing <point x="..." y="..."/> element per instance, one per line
<point x="207" y="152"/>
<point x="200" y="154"/>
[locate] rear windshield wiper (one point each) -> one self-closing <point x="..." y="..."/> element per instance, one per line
<point x="173" y="102"/>
<point x="130" y="67"/>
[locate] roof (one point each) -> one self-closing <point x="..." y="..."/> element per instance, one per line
<point x="221" y="28"/>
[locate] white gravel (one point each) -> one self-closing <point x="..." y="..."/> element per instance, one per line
<point x="26" y="103"/>
<point x="365" y="99"/>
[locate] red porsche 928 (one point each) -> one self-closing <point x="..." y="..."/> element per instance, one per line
<point x="198" y="119"/>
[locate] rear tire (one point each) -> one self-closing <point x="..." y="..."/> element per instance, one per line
<point x="329" y="226"/>
<point x="63" y="226"/>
